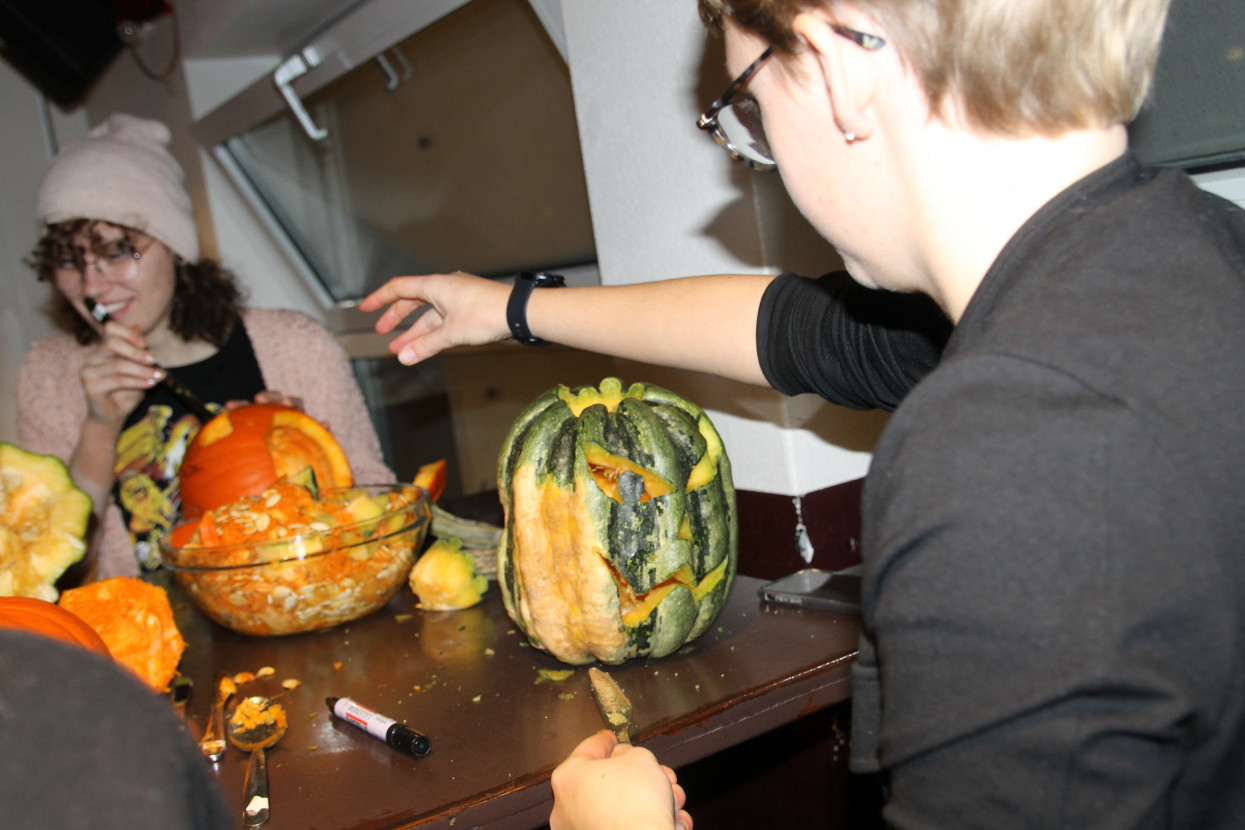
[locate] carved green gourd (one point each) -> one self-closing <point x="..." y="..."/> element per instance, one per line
<point x="621" y="536"/>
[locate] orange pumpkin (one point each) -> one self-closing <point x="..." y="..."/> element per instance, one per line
<point x="243" y="451"/>
<point x="40" y="616"/>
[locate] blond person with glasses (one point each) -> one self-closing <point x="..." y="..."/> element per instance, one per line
<point x="1054" y="604"/>
<point x="119" y="236"/>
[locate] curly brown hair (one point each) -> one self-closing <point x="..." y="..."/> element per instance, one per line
<point x="207" y="300"/>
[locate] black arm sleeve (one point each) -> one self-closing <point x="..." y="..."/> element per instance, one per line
<point x="855" y="346"/>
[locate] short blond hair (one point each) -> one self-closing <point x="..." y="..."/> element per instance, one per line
<point x="1012" y="67"/>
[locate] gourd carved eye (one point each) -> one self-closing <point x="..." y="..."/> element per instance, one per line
<point x="622" y="480"/>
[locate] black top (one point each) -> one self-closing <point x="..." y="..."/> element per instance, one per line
<point x="858" y="347"/>
<point x="156" y="433"/>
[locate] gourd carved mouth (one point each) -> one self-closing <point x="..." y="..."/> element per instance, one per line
<point x="636" y="608"/>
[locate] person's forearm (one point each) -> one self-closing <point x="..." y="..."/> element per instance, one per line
<point x="700" y="323"/>
<point x="92" y="462"/>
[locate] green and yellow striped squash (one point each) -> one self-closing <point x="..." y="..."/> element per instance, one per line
<point x="621" y="537"/>
<point x="43" y="523"/>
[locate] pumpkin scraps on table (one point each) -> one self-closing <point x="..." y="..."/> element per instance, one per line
<point x="445" y="577"/>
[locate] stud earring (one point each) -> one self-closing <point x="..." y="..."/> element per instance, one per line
<point x="849" y="136"/>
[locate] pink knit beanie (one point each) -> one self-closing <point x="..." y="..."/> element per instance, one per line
<point x="122" y="172"/>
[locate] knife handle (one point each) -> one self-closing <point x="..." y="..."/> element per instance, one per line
<point x="255" y="790"/>
<point x="188" y="398"/>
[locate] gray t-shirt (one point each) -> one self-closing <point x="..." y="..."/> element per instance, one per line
<point x="1054" y="530"/>
<point x="84" y="744"/>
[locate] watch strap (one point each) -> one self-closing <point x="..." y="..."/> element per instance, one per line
<point x="516" y="307"/>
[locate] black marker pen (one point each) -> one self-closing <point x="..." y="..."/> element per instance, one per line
<point x="398" y="735"/>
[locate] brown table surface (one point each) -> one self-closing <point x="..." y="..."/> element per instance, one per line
<point x="469" y="680"/>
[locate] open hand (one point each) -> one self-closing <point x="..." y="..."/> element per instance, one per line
<point x="454" y="310"/>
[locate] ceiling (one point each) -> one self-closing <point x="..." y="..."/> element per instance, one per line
<point x="252" y="28"/>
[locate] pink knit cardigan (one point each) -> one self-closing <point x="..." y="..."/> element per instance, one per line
<point x="296" y="355"/>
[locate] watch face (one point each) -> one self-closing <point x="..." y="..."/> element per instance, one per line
<point x="543" y="280"/>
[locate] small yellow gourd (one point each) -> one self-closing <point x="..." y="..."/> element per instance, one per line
<point x="445" y="578"/>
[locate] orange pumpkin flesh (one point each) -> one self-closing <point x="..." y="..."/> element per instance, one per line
<point x="47" y="618"/>
<point x="181" y="535"/>
<point x="431" y="477"/>
<point x="135" y="619"/>
<point x="241" y="452"/>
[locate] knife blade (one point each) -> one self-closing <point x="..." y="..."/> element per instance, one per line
<point x="613" y="703"/>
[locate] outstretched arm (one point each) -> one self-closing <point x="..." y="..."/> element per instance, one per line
<point x="700" y="323"/>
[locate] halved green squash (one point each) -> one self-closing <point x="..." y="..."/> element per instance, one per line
<point x="43" y="521"/>
<point x="621" y="536"/>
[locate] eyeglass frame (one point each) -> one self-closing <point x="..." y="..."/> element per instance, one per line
<point x="708" y="120"/>
<point x="80" y="266"/>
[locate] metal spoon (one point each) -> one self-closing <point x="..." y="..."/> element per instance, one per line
<point x="213" y="744"/>
<point x="256" y="722"/>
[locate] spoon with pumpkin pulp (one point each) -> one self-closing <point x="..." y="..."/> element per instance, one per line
<point x="256" y="722"/>
<point x="213" y="744"/>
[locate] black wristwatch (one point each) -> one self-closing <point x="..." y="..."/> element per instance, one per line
<point x="516" y="309"/>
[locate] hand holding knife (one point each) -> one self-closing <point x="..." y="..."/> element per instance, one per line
<point x="172" y="384"/>
<point x="584" y="778"/>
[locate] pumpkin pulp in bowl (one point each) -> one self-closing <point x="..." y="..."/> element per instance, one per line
<point x="291" y="560"/>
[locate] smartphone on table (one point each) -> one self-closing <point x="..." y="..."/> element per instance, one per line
<point x="815" y="588"/>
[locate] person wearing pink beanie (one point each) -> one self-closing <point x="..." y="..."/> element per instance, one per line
<point x="122" y="173"/>
<point x="118" y="231"/>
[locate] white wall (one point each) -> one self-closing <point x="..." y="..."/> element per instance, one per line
<point x="1230" y="184"/>
<point x="24" y="136"/>
<point x="667" y="202"/>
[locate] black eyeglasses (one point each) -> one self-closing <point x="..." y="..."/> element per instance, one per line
<point x="736" y="124"/>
